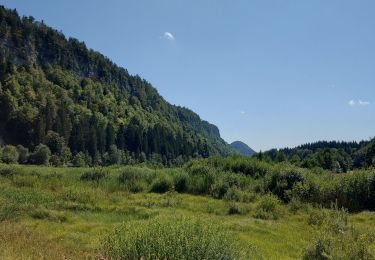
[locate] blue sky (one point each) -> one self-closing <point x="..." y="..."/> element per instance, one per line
<point x="270" y="73"/>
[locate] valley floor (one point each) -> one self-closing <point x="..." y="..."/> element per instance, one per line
<point x="49" y="213"/>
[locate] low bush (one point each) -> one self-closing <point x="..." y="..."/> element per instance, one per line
<point x="175" y="238"/>
<point x="78" y="196"/>
<point x="335" y="239"/>
<point x="335" y="219"/>
<point x="202" y="177"/>
<point x="41" y="155"/>
<point x="8" y="171"/>
<point x="56" y="161"/>
<point x="219" y="189"/>
<point x="268" y="207"/>
<point x="93" y="175"/>
<point x="181" y="182"/>
<point x="296" y="205"/>
<point x="44" y="214"/>
<point x="234" y="208"/>
<point x="23" y="154"/>
<point x="162" y="184"/>
<point x="235" y="194"/>
<point x="281" y="180"/>
<point x="9" y="154"/>
<point x="21" y="181"/>
<point x="134" y="179"/>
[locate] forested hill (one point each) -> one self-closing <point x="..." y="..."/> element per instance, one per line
<point x="242" y="148"/>
<point x="335" y="156"/>
<point x="55" y="91"/>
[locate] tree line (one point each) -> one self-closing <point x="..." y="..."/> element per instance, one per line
<point x="334" y="156"/>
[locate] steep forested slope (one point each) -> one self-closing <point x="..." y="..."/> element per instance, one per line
<point x="56" y="91"/>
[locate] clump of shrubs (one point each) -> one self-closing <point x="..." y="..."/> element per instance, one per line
<point x="181" y="182"/>
<point x="296" y="205"/>
<point x="162" y="184"/>
<point x="41" y="155"/>
<point x="172" y="238"/>
<point x="94" y="175"/>
<point x="23" y="154"/>
<point x="268" y="207"/>
<point x="335" y="239"/>
<point x="9" y="154"/>
<point x="202" y="178"/>
<point x="334" y="219"/>
<point x="45" y="214"/>
<point x="134" y="179"/>
<point x="235" y="194"/>
<point x="219" y="189"/>
<point x="234" y="208"/>
<point x="8" y="171"/>
<point x="79" y="160"/>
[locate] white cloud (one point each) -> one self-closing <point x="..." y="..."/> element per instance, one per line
<point x="360" y="102"/>
<point x="242" y="112"/>
<point x="168" y="36"/>
<point x="363" y="103"/>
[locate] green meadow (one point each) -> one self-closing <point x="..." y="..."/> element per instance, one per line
<point x="86" y="213"/>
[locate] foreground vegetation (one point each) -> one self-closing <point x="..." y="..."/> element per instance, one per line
<point x="222" y="208"/>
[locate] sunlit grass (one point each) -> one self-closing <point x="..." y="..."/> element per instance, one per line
<point x="51" y="213"/>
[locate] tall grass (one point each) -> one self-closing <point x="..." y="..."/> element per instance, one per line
<point x="174" y="238"/>
<point x="336" y="239"/>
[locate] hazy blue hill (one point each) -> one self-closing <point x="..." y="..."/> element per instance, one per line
<point x="242" y="148"/>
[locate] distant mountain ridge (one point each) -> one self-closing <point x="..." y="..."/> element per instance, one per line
<point x="242" y="148"/>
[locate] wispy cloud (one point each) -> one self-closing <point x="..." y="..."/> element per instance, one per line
<point x="168" y="36"/>
<point x="242" y="112"/>
<point x="360" y="102"/>
<point x="363" y="103"/>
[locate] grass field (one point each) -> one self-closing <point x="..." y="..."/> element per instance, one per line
<point x="54" y="213"/>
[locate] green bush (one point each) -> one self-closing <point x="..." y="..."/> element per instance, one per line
<point x="234" y="208"/>
<point x="238" y="164"/>
<point x="12" y="211"/>
<point x="45" y="214"/>
<point x="335" y="239"/>
<point x="8" y="171"/>
<point x="9" y="154"/>
<point x="202" y="177"/>
<point x="268" y="207"/>
<point x="281" y="180"/>
<point x="23" y="154"/>
<point x="93" y="175"/>
<point x="56" y="161"/>
<point x="335" y="219"/>
<point x="235" y="194"/>
<point x="344" y="246"/>
<point x="162" y="184"/>
<point x="128" y="175"/>
<point x="295" y="205"/>
<point x="219" y="189"/>
<point x="134" y="179"/>
<point x="41" y="155"/>
<point x="79" y="160"/>
<point x="181" y="182"/>
<point x="172" y="238"/>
